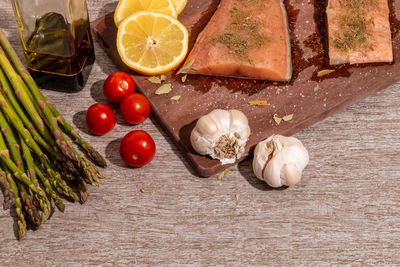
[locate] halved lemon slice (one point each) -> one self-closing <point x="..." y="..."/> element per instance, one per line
<point x="179" y="5"/>
<point x="152" y="43"/>
<point x="125" y="8"/>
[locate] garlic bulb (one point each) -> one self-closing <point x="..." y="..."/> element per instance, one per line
<point x="221" y="134"/>
<point x="280" y="160"/>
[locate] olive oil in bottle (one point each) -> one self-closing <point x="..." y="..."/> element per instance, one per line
<point x="60" y="55"/>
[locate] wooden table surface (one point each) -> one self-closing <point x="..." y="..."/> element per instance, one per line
<point x="346" y="210"/>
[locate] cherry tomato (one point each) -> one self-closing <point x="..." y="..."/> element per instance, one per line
<point x="135" y="108"/>
<point x="100" y="119"/>
<point x="137" y="148"/>
<point x="117" y="86"/>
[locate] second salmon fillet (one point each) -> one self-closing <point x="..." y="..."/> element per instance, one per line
<point x="244" y="38"/>
<point x="359" y="31"/>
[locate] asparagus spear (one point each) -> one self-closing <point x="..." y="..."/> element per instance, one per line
<point x="54" y="176"/>
<point x="11" y="141"/>
<point x="90" y="172"/>
<point x="82" y="189"/>
<point x="17" y="201"/>
<point x="35" y="172"/>
<point x="58" y="183"/>
<point x="14" y="147"/>
<point x="21" y="176"/>
<point x="90" y="151"/>
<point x="19" y="87"/>
<point x="40" y="98"/>
<point x="32" y="172"/>
<point x="7" y="192"/>
<point x="49" y="190"/>
<point x="12" y="103"/>
<point x="9" y="97"/>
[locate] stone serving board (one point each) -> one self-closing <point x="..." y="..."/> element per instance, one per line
<point x="310" y="99"/>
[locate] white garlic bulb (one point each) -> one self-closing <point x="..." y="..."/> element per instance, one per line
<point x="280" y="160"/>
<point x="221" y="134"/>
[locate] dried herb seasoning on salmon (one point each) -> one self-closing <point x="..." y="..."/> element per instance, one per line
<point x="359" y="31"/>
<point x="244" y="38"/>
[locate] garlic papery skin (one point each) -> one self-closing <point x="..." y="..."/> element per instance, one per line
<point x="280" y="160"/>
<point x="221" y="134"/>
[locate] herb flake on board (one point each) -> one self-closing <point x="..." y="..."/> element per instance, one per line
<point x="258" y="103"/>
<point x="164" y="89"/>
<point x="223" y="173"/>
<point x="154" y="79"/>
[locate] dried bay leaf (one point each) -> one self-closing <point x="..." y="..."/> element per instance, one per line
<point x="164" y="89"/>
<point x="163" y="77"/>
<point x="277" y="119"/>
<point x="184" y="78"/>
<point x="322" y="73"/>
<point x="154" y="79"/>
<point x="223" y="173"/>
<point x="258" y="103"/>
<point x="176" y="97"/>
<point x="288" y="117"/>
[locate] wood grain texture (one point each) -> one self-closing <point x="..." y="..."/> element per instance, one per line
<point x="345" y="211"/>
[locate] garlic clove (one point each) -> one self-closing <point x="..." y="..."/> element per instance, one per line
<point x="280" y="160"/>
<point x="221" y="134"/>
<point x="290" y="175"/>
<point x="207" y="126"/>
<point x="199" y="143"/>
<point x="222" y="119"/>
<point x="238" y="120"/>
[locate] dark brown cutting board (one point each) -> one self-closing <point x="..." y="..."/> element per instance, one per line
<point x="201" y="94"/>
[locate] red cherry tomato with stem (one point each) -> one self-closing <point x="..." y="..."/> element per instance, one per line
<point x="137" y="148"/>
<point x="117" y="86"/>
<point x="100" y="119"/>
<point x="135" y="108"/>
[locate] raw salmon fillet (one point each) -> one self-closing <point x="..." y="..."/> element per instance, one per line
<point x="244" y="38"/>
<point x="359" y="31"/>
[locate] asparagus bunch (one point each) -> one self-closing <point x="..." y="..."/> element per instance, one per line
<point x="38" y="162"/>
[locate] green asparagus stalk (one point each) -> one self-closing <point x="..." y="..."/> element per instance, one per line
<point x="18" y="205"/>
<point x="30" y="207"/>
<point x="41" y="99"/>
<point x="14" y="106"/>
<point x="7" y="192"/>
<point x="19" y="87"/>
<point x="90" y="151"/>
<point x="11" y="141"/>
<point x="9" y="97"/>
<point x="33" y="173"/>
<point x="91" y="174"/>
<point x="19" y="126"/>
<point x="54" y="176"/>
<point x="21" y="176"/>
<point x="58" y="183"/>
<point x="83" y="191"/>
<point x="49" y="190"/>
<point x="14" y="147"/>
